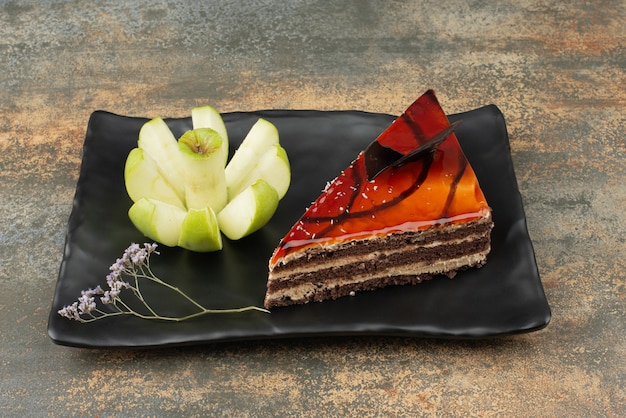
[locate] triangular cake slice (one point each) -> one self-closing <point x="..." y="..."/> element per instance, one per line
<point x="422" y="218"/>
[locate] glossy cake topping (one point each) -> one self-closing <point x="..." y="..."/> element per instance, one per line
<point x="440" y="187"/>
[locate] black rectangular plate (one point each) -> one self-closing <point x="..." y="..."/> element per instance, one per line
<point x="502" y="298"/>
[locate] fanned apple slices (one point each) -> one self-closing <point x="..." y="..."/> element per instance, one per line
<point x="184" y="192"/>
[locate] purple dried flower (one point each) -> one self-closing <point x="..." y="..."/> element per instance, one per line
<point x="106" y="299"/>
<point x="135" y="256"/>
<point x="92" y="292"/>
<point x="70" y="312"/>
<point x="133" y="263"/>
<point x="86" y="304"/>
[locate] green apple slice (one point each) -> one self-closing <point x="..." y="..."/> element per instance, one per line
<point x="273" y="167"/>
<point x="248" y="211"/>
<point x="200" y="231"/>
<point x="159" y="221"/>
<point x="156" y="139"/>
<point x="204" y="178"/>
<point x="259" y="139"/>
<point x="143" y="178"/>
<point x="208" y="117"/>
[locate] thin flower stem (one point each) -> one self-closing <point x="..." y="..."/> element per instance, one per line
<point x="170" y="318"/>
<point x="139" y="295"/>
<point x="197" y="314"/>
<point x="105" y="315"/>
<point x="121" y="302"/>
<point x="134" y="263"/>
<point x="151" y="276"/>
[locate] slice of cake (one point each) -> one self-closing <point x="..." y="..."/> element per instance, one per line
<point x="417" y="214"/>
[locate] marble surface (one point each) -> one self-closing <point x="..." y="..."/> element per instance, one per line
<point x="557" y="70"/>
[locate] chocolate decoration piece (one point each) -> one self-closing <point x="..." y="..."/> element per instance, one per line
<point x="378" y="158"/>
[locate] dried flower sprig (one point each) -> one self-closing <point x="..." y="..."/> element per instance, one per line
<point x="134" y="265"/>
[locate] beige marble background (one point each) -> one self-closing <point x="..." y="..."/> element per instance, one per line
<point x="557" y="70"/>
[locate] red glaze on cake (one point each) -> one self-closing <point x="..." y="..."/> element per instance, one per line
<point x="439" y="189"/>
<point x="420" y="194"/>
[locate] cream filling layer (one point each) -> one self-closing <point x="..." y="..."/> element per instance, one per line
<point x="306" y="290"/>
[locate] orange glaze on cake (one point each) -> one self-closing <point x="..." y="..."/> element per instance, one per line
<point x="439" y="188"/>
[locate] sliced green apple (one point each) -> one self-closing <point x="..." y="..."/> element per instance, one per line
<point x="249" y="210"/>
<point x="259" y="139"/>
<point x="184" y="193"/>
<point x="144" y="179"/>
<point x="200" y="231"/>
<point x="203" y="173"/>
<point x="208" y="117"/>
<point x="158" y="141"/>
<point x="272" y="166"/>
<point x="159" y="221"/>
